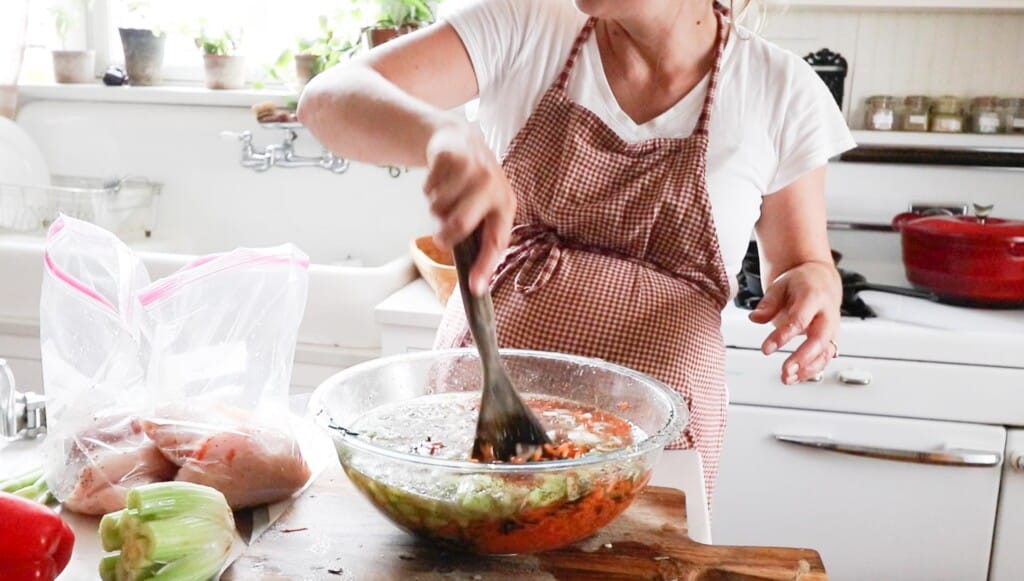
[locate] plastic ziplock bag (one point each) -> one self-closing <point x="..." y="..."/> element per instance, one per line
<point x="183" y="378"/>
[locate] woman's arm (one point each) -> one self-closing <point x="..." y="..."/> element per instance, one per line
<point x="382" y="107"/>
<point x="804" y="291"/>
<point x="390" y="106"/>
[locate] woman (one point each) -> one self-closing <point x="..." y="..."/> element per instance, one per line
<point x="640" y="144"/>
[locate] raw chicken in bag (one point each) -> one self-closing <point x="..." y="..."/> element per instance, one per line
<point x="94" y="376"/>
<point x="221" y="337"/>
<point x="185" y="378"/>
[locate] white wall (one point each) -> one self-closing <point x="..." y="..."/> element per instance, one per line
<point x="910" y="52"/>
<point x="209" y="202"/>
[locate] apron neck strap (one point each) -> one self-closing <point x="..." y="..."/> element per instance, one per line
<point x="577" y="45"/>
<point x="721" y="13"/>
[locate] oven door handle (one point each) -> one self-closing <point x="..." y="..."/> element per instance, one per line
<point x="942" y="457"/>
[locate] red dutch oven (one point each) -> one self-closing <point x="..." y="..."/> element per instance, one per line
<point x="969" y="260"/>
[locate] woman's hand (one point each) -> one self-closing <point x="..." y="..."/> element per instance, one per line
<point x="466" y="188"/>
<point x="805" y="300"/>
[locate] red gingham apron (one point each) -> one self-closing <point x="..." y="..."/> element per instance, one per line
<point x="615" y="254"/>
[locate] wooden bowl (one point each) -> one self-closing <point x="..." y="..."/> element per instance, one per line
<point x="435" y="266"/>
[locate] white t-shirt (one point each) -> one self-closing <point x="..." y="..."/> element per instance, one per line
<point x="773" y="119"/>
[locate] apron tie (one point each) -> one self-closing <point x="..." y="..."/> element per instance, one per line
<point x="535" y="249"/>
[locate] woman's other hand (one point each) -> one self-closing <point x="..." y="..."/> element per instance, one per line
<point x="805" y="300"/>
<point x="467" y="188"/>
<point x="804" y="292"/>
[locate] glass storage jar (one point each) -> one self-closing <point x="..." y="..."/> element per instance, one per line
<point x="985" y="116"/>
<point x="1013" y="111"/>
<point x="881" y="115"/>
<point x="915" y="113"/>
<point x="947" y="115"/>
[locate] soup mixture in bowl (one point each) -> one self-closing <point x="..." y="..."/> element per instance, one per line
<point x="404" y="427"/>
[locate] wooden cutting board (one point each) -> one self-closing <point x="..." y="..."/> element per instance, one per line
<point x="332" y="533"/>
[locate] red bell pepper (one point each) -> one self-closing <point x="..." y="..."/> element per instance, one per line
<point x="35" y="543"/>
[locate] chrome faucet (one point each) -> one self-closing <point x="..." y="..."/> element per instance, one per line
<point x="22" y="415"/>
<point x="283" y="154"/>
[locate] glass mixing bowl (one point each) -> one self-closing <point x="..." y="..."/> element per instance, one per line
<point x="499" y="508"/>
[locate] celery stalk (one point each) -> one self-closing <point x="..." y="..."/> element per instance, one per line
<point x="22" y="480"/>
<point x="173" y="538"/>
<point x="157" y="502"/>
<point x="174" y="531"/>
<point x="195" y="567"/>
<point x="110" y="531"/>
<point x="109" y="567"/>
<point x="34" y="490"/>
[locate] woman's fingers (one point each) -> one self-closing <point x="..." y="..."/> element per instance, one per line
<point x="493" y="243"/>
<point x="793" y="320"/>
<point x="445" y="185"/>
<point x="769" y="305"/>
<point x="466" y="214"/>
<point x="813" y="355"/>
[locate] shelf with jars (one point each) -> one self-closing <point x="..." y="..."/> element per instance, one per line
<point x="984" y="115"/>
<point x="984" y="131"/>
<point x="970" y="5"/>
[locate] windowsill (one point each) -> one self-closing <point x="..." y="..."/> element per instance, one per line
<point x="169" y="94"/>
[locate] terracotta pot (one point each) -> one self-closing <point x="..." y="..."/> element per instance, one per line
<point x="306" y="68"/>
<point x="972" y="260"/>
<point x="74" y="66"/>
<point x="224" y="71"/>
<point x="377" y="36"/>
<point x="143" y="55"/>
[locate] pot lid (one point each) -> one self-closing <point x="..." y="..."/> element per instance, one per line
<point x="979" y="226"/>
<point x="968" y="226"/>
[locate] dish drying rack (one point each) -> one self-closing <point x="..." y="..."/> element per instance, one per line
<point x="125" y="206"/>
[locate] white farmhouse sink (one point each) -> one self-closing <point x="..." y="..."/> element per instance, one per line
<point x="355" y="227"/>
<point x="339" y="311"/>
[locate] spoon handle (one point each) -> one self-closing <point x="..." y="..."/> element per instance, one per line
<point x="479" y="309"/>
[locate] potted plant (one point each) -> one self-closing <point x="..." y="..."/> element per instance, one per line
<point x="224" y="68"/>
<point x="398" y="17"/>
<point x="71" y="66"/>
<point x="143" y="45"/>
<point x="315" y="54"/>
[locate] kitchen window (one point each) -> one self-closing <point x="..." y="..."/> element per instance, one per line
<point x="268" y="27"/>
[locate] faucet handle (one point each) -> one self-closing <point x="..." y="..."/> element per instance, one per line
<point x="22" y="415"/>
<point x="244" y="136"/>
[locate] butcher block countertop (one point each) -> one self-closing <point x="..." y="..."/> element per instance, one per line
<point x="332" y="533"/>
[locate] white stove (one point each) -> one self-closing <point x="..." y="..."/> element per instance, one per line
<point x="903" y="461"/>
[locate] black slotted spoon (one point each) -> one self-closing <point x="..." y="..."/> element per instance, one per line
<point x="505" y="427"/>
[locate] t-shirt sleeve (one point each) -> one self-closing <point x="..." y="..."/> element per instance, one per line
<point x="812" y="129"/>
<point x="493" y="32"/>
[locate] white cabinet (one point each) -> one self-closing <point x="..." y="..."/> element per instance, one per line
<point x="409" y="319"/>
<point x="1008" y="551"/>
<point x="869" y="517"/>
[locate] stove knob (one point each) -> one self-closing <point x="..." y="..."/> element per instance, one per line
<point x="855" y="377"/>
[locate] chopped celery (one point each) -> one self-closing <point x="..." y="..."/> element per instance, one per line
<point x="550" y="491"/>
<point x="174" y="531"/>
